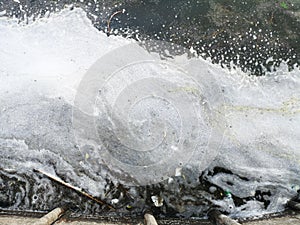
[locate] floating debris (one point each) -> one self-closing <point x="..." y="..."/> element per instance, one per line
<point x="157" y="200"/>
<point x="150" y="219"/>
<point x="51" y="217"/>
<point x="218" y="218"/>
<point x="57" y="179"/>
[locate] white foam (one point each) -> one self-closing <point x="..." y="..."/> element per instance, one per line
<point x="49" y="56"/>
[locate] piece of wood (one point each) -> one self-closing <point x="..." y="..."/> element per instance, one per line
<point x="51" y="217"/>
<point x="57" y="179"/>
<point x="218" y="218"/>
<point x="150" y="219"/>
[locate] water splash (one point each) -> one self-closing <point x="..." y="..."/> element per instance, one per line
<point x="259" y="156"/>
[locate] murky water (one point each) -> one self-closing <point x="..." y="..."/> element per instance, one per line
<point x="44" y="64"/>
<point x="246" y="33"/>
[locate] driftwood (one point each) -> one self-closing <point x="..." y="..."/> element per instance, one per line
<point x="74" y="188"/>
<point x="150" y="219"/>
<point x="51" y="217"/>
<point x="218" y="218"/>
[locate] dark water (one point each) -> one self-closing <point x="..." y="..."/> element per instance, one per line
<point x="246" y="33"/>
<point x="243" y="34"/>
